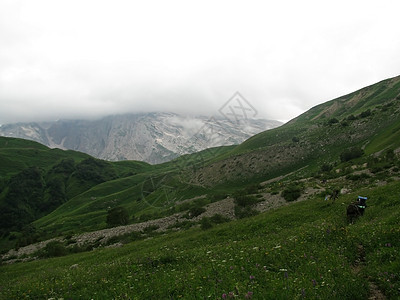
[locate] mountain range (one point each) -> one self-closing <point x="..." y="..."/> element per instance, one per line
<point x="150" y="137"/>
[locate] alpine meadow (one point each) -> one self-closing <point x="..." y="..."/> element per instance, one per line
<point x="276" y="217"/>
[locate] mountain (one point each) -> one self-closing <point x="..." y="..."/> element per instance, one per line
<point x="367" y="126"/>
<point x="152" y="137"/>
<point x="287" y="240"/>
<point x="363" y="125"/>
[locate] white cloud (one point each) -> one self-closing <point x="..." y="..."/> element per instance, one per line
<point x="91" y="58"/>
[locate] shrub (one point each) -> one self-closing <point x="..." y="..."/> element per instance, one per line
<point x="344" y="123"/>
<point x="333" y="121"/>
<point x="244" y="200"/>
<point x="351" y="153"/>
<point x="291" y="193"/>
<point x="366" y="113"/>
<point x="55" y="248"/>
<point x="117" y="216"/>
<point x="326" y="167"/>
<point x="94" y="170"/>
<point x="196" y="211"/>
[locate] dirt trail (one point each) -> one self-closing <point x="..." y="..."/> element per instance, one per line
<point x="374" y="292"/>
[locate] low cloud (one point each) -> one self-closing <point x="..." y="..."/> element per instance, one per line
<point x="188" y="58"/>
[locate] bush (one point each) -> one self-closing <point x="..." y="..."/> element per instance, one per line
<point x="95" y="170"/>
<point x="242" y="199"/>
<point x="366" y="113"/>
<point x="326" y="167"/>
<point x="333" y="121"/>
<point x="291" y="193"/>
<point x="54" y="249"/>
<point x="344" y="123"/>
<point x="351" y="153"/>
<point x="252" y="189"/>
<point x="196" y="211"/>
<point x="205" y="223"/>
<point x="117" y="216"/>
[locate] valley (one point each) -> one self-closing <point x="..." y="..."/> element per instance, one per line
<point x="249" y="221"/>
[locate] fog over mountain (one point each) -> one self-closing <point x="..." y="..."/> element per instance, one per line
<point x="151" y="137"/>
<point x="89" y="59"/>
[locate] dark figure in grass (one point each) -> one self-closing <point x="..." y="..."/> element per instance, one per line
<point x="335" y="194"/>
<point x="356" y="209"/>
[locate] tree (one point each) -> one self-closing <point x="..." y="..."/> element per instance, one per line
<point x="117" y="216"/>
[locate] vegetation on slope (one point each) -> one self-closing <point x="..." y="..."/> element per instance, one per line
<point x="304" y="250"/>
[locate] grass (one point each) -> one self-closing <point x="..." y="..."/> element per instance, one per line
<point x="303" y="250"/>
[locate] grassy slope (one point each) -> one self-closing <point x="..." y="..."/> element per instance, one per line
<point x="318" y="141"/>
<point x="372" y="97"/>
<point x="87" y="211"/>
<point x="314" y="138"/>
<point x="302" y="250"/>
<point x="176" y="271"/>
<point x="19" y="154"/>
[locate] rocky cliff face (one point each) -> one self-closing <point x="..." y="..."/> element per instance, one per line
<point x="151" y="137"/>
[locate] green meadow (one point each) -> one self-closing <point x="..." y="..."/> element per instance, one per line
<point x="304" y="250"/>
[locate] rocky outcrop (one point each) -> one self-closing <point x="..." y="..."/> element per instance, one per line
<point x="151" y="137"/>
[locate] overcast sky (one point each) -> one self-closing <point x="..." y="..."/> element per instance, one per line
<point x="80" y="59"/>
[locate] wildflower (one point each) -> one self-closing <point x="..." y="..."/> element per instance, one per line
<point x="249" y="295"/>
<point x="252" y="277"/>
<point x="286" y="275"/>
<point x="224" y="296"/>
<point x="314" y="282"/>
<point x="231" y="294"/>
<point x="388" y="245"/>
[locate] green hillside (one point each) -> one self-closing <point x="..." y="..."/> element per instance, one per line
<point x="36" y="180"/>
<point x="271" y="236"/>
<point x="304" y="250"/>
<point x="368" y="119"/>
